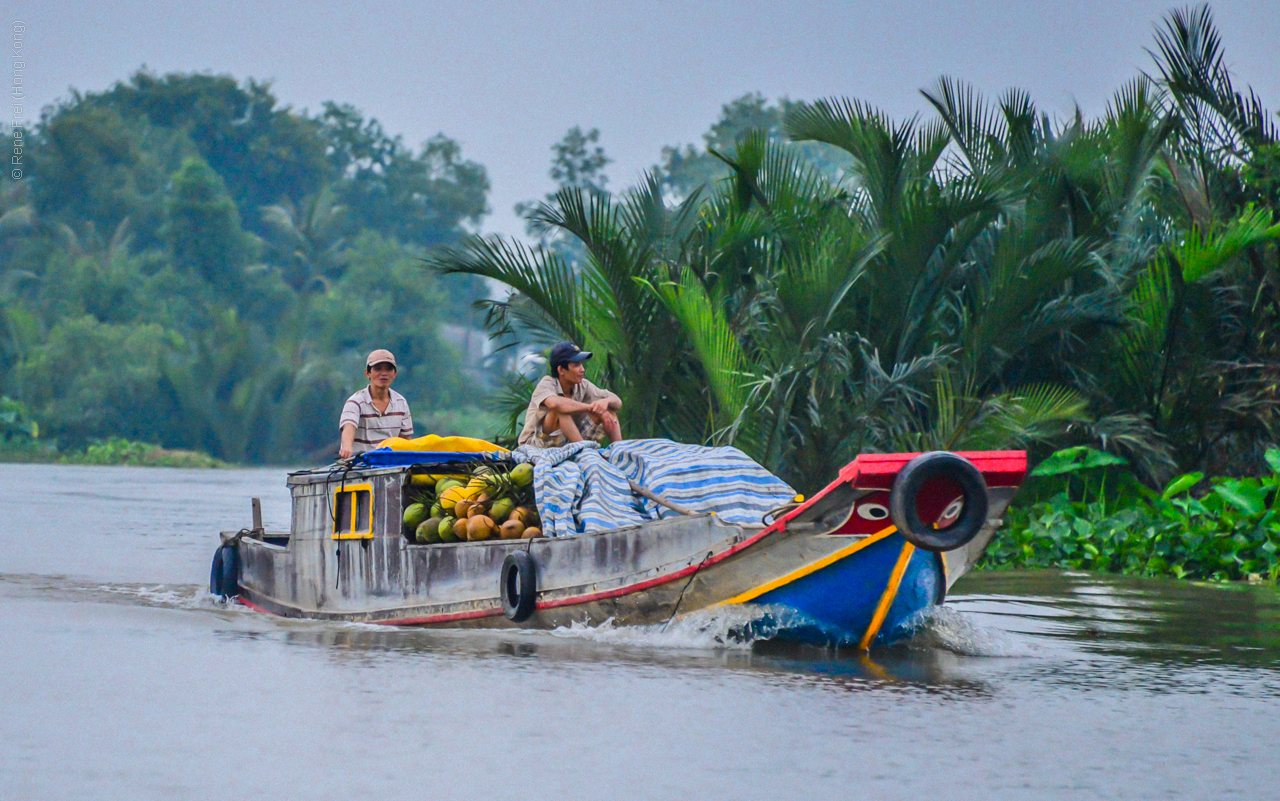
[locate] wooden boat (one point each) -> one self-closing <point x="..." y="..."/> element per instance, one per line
<point x="854" y="564"/>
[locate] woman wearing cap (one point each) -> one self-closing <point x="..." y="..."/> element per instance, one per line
<point x="376" y="412"/>
<point x="566" y="407"/>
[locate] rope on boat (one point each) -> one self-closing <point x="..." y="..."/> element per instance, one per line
<point x="344" y="467"/>
<point x="234" y="539"/>
<point x="776" y="512"/>
<point x="680" y="597"/>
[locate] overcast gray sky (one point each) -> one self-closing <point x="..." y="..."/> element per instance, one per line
<point x="507" y="79"/>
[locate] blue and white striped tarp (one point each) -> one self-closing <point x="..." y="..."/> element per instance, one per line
<point x="578" y="491"/>
<point x="581" y="489"/>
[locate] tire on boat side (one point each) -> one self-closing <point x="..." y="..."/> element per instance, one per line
<point x="224" y="576"/>
<point x="911" y="480"/>
<point x="518" y="585"/>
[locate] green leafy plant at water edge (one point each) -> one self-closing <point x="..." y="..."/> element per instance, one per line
<point x="20" y="439"/>
<point x="1229" y="530"/>
<point x="15" y="422"/>
<point x="118" y="451"/>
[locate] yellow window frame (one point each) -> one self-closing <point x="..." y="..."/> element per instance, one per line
<point x="348" y="512"/>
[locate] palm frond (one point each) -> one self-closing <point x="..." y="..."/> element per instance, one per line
<point x="977" y="128"/>
<point x="540" y="275"/>
<point x="510" y="401"/>
<point x="714" y="342"/>
<point x="1192" y="62"/>
<point x="1203" y="253"/>
<point x="1138" y="350"/>
<point x="1015" y="419"/>
<point x="1133" y="436"/>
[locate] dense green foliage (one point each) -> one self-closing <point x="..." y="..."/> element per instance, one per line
<point x="186" y="262"/>
<point x="688" y="169"/>
<point x="984" y="278"/>
<point x="1101" y="518"/>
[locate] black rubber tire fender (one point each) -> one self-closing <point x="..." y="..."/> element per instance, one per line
<point x="224" y="575"/>
<point x="518" y="584"/>
<point x="215" y="573"/>
<point x="911" y="480"/>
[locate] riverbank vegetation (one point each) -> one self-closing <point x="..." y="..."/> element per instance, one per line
<point x="1084" y="510"/>
<point x="832" y="281"/>
<point x="189" y="263"/>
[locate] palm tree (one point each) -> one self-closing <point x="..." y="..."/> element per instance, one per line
<point x="1199" y="356"/>
<point x="764" y="303"/>
<point x="598" y="303"/>
<point x="308" y="239"/>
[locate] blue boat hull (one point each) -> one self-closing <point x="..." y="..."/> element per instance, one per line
<point x="839" y="602"/>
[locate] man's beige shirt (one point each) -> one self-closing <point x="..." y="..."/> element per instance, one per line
<point x="585" y="392"/>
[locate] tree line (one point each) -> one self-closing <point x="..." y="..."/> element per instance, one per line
<point x="192" y="264"/>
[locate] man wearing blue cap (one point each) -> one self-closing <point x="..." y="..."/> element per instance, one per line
<point x="566" y="407"/>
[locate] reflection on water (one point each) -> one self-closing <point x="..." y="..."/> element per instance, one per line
<point x="123" y="678"/>
<point x="777" y="659"/>
<point x="1149" y="619"/>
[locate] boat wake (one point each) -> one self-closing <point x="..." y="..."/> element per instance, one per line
<point x="73" y="588"/>
<point x="169" y="596"/>
<point x="733" y="627"/>
<point x="950" y="629"/>
<point x="740" y="626"/>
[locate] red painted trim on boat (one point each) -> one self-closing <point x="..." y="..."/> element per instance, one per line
<point x="576" y="599"/>
<point x="255" y="607"/>
<point x="445" y="618"/>
<point x="595" y="596"/>
<point x="877" y="470"/>
<point x="657" y="580"/>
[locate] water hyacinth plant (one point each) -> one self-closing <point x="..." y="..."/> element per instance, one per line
<point x="1101" y="518"/>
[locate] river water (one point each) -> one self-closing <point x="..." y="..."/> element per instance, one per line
<point x="121" y="678"/>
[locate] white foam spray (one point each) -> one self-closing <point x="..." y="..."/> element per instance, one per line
<point x="732" y="627"/>
<point x="953" y="630"/>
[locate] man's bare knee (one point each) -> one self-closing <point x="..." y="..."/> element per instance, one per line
<point x="570" y="428"/>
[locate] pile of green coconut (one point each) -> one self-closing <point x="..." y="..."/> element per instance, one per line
<point x="488" y="503"/>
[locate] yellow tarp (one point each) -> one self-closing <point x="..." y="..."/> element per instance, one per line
<point x="434" y="444"/>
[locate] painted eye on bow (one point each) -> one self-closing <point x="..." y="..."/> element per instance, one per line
<point x="953" y="509"/>
<point x="873" y="511"/>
